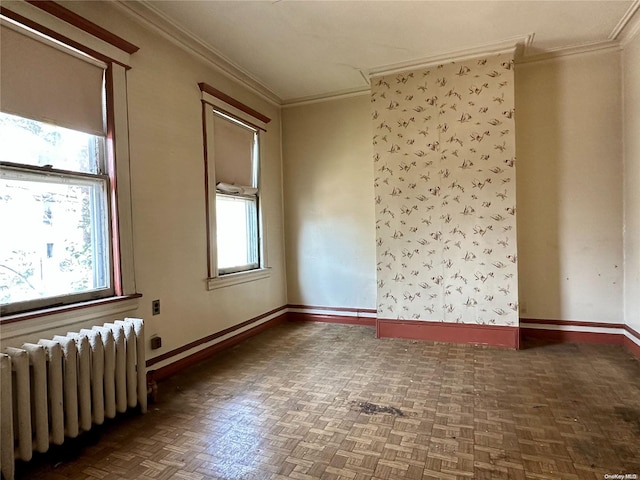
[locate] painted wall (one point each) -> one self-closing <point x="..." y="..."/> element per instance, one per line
<point x="569" y="200"/>
<point x="631" y="96"/>
<point x="570" y="187"/>
<point x="167" y="175"/>
<point x="569" y="184"/>
<point x="328" y="198"/>
<point x="444" y="155"/>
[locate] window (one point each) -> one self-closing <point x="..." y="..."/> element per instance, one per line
<point x="236" y="175"/>
<point x="232" y="141"/>
<point x="62" y="241"/>
<point x="54" y="212"/>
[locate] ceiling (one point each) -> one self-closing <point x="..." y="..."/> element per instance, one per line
<point x="299" y="50"/>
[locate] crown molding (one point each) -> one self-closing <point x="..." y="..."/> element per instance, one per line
<point x="509" y="45"/>
<point x="145" y="13"/>
<point x="630" y="33"/>
<point x="327" y="97"/>
<point x="629" y="25"/>
<point x="520" y="46"/>
<point x="573" y="50"/>
<point x="625" y="20"/>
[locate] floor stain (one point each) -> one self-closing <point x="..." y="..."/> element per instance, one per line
<point x="373" y="409"/>
<point x="629" y="415"/>
<point x="586" y="452"/>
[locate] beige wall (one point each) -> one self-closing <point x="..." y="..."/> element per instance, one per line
<point x="328" y="192"/>
<point x="631" y="96"/>
<point x="569" y="183"/>
<point x="568" y="141"/>
<point x="167" y="175"/>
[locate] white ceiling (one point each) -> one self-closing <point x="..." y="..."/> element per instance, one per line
<point x="295" y="50"/>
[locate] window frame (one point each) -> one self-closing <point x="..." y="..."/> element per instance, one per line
<point x="214" y="100"/>
<point x="62" y="25"/>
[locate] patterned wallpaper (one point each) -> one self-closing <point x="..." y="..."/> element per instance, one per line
<point x="444" y="153"/>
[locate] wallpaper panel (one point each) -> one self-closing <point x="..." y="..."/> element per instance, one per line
<point x="444" y="156"/>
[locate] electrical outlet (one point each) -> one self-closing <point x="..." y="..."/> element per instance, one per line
<point x="523" y="307"/>
<point x="155" y="307"/>
<point x="156" y="342"/>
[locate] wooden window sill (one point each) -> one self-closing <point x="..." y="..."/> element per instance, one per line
<point x="237" y="278"/>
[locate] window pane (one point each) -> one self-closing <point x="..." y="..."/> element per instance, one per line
<point x="30" y="142"/>
<point x="237" y="233"/>
<point x="54" y="237"/>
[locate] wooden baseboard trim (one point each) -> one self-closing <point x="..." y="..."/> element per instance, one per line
<point x="570" y="336"/>
<point x="524" y="322"/>
<point x="490" y="335"/>
<point x="174" y="367"/>
<point x="632" y="346"/>
<point x="371" y="312"/>
<point x="343" y="319"/>
<point x="212" y="337"/>
<point x="567" y="331"/>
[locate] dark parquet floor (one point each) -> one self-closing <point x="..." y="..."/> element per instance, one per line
<point x="327" y="401"/>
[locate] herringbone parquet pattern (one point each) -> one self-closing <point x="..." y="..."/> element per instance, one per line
<point x="316" y="400"/>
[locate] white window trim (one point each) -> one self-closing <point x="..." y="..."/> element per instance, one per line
<point x="65" y="319"/>
<point x="230" y="279"/>
<point x="123" y="179"/>
<point x="215" y="280"/>
<point x="123" y="262"/>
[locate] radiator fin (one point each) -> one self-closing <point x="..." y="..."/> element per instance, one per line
<point x="54" y="390"/>
<point x="60" y="387"/>
<point x="6" y="410"/>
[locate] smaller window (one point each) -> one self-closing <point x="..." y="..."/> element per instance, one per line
<point x="232" y="134"/>
<point x="236" y="173"/>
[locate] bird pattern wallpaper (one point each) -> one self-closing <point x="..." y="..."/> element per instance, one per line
<point x="444" y="159"/>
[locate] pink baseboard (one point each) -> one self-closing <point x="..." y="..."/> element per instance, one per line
<point x="344" y="319"/>
<point x="633" y="347"/>
<point x="564" y="336"/>
<point x="491" y="335"/>
<point x="552" y="331"/>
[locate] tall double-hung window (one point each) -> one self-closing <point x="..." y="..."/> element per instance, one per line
<point x="60" y="242"/>
<point x="233" y="135"/>
<point x="236" y="170"/>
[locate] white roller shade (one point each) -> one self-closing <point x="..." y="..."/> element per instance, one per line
<point x="45" y="83"/>
<point x="233" y="145"/>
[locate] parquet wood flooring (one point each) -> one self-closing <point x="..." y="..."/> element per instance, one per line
<point x="327" y="401"/>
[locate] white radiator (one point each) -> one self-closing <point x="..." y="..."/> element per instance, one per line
<point x="60" y="387"/>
